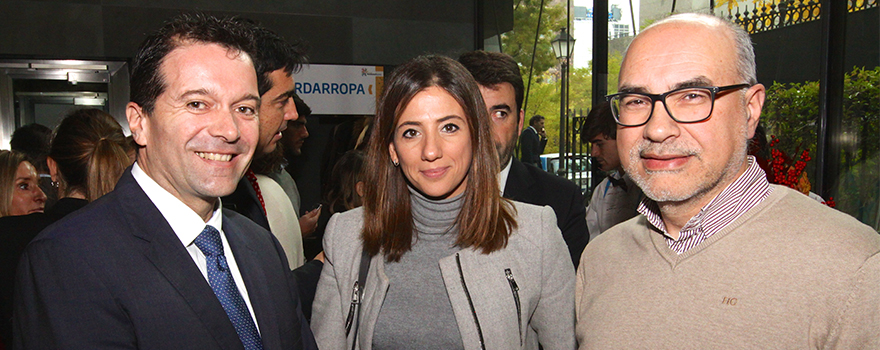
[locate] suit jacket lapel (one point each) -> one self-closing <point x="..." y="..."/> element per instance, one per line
<point x="255" y="281"/>
<point x="162" y="247"/>
<point x="244" y="201"/>
<point x="519" y="182"/>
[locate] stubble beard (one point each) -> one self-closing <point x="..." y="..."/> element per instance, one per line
<point x="297" y="151"/>
<point x="505" y="151"/>
<point x="265" y="163"/>
<point x="688" y="189"/>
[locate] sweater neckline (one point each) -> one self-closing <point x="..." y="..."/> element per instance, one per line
<point x="674" y="259"/>
<point x="434" y="217"/>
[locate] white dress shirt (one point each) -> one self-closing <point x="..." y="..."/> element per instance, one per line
<point x="283" y="221"/>
<point x="188" y="225"/>
<point x="502" y="176"/>
<point x="611" y="205"/>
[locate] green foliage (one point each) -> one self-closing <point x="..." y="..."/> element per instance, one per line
<point x="544" y="95"/>
<point x="520" y="42"/>
<point x="791" y="113"/>
<point x="861" y="110"/>
<point x="859" y="187"/>
<point x="544" y="100"/>
<point x="581" y="86"/>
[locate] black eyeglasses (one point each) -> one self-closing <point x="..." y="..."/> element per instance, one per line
<point x="684" y="105"/>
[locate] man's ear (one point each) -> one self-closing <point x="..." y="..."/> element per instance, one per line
<point x="754" y="103"/>
<point x="519" y="127"/>
<point x="137" y="123"/>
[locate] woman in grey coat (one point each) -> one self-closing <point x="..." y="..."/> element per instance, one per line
<point x="449" y="263"/>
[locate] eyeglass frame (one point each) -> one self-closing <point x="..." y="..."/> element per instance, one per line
<point x="714" y="90"/>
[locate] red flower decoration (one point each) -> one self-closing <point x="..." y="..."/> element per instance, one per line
<point x="783" y="170"/>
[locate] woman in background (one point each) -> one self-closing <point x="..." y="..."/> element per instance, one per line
<point x="347" y="183"/>
<point x="20" y="192"/>
<point x="87" y="158"/>
<point x="20" y="195"/>
<point x="450" y="264"/>
<point x="346" y="189"/>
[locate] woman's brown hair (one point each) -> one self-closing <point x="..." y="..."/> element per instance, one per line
<point x="9" y="162"/>
<point x="485" y="220"/>
<point x="347" y="172"/>
<point x="90" y="151"/>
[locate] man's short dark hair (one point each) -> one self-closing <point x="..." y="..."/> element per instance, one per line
<point x="147" y="82"/>
<point x="535" y="119"/>
<point x="599" y="121"/>
<point x="493" y="68"/>
<point x="274" y="53"/>
<point x="34" y="141"/>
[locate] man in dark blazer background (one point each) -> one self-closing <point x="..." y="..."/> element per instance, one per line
<point x="533" y="140"/>
<point x="133" y="269"/>
<point x="502" y="88"/>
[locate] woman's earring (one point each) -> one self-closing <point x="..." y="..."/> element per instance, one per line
<point x="54" y="183"/>
<point x="396" y="164"/>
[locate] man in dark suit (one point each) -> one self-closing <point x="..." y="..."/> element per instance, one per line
<point x="502" y="88"/>
<point x="533" y="140"/>
<point x="157" y="263"/>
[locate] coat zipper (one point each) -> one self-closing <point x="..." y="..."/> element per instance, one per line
<point x="355" y="302"/>
<point x="514" y="288"/>
<point x="470" y="302"/>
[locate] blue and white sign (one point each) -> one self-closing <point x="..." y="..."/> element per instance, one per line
<point x="340" y="90"/>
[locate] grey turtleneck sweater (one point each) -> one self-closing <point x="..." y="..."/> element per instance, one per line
<point x="416" y="313"/>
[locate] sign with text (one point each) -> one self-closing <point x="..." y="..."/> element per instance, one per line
<point x="340" y="90"/>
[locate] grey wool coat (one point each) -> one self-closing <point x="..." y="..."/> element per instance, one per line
<point x="521" y="295"/>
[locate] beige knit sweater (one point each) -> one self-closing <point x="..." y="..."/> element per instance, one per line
<point x="788" y="274"/>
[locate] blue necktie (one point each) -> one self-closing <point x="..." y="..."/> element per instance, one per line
<point x="224" y="287"/>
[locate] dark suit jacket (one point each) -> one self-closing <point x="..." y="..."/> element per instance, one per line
<point x="15" y="234"/>
<point x="115" y="275"/>
<point x="244" y="201"/>
<point x="528" y="184"/>
<point x="531" y="147"/>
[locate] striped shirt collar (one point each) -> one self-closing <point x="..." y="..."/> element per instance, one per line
<point x="750" y="189"/>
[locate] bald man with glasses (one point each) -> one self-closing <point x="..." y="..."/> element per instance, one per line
<point x="718" y="258"/>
